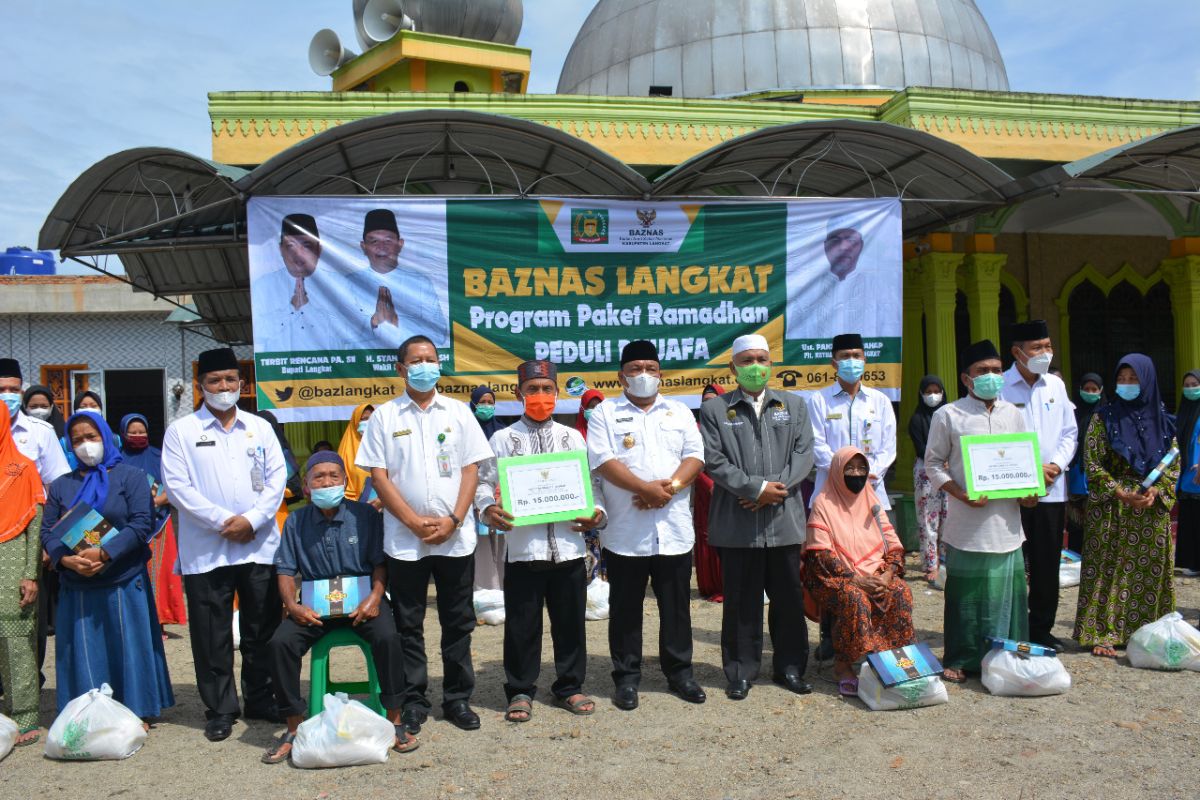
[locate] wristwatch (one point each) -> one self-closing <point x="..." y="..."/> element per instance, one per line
<point x="676" y="486"/>
<point x="457" y="521"/>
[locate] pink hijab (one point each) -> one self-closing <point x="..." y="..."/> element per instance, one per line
<point x="841" y="521"/>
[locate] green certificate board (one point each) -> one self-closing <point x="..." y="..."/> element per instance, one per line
<point x="547" y="487"/>
<point x="1001" y="465"/>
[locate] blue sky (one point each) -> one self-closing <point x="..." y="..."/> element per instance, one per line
<point x="87" y="78"/>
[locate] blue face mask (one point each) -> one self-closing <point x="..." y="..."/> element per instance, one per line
<point x="13" y="401"/>
<point x="851" y="369"/>
<point x="424" y="376"/>
<point x="987" y="386"/>
<point x="328" y="496"/>
<point x="1191" y="392"/>
<point x="362" y="427"/>
<point x="1129" y="391"/>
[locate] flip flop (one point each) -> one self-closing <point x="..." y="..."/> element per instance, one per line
<point x="273" y="756"/>
<point x="1111" y="651"/>
<point x="848" y="687"/>
<point x="578" y="707"/>
<point x="962" y="677"/>
<point x="406" y="742"/>
<point x="28" y="742"/>
<point x="520" y="704"/>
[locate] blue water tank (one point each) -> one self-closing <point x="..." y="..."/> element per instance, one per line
<point x="23" y="261"/>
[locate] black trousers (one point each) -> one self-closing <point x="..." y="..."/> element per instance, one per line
<point x="408" y="584"/>
<point x="47" y="600"/>
<point x="671" y="579"/>
<point x="291" y="641"/>
<point x="1187" y="545"/>
<point x="530" y="586"/>
<point x="746" y="572"/>
<point x="1044" y="525"/>
<point x="210" y="623"/>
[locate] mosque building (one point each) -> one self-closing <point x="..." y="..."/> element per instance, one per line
<point x="1080" y="210"/>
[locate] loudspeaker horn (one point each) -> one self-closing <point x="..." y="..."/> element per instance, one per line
<point x="382" y="18"/>
<point x="326" y="54"/>
<point x="364" y="42"/>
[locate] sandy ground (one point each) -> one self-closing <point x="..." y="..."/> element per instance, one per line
<point x="1120" y="732"/>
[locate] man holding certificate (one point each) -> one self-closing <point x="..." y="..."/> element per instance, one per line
<point x="540" y="493"/>
<point x="648" y="451"/>
<point x="985" y="573"/>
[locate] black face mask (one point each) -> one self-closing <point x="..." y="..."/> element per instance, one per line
<point x="856" y="483"/>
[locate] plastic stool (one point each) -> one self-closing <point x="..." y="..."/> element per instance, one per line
<point x="320" y="685"/>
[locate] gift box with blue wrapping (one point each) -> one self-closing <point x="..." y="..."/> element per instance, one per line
<point x="335" y="597"/>
<point x="904" y="664"/>
<point x="83" y="527"/>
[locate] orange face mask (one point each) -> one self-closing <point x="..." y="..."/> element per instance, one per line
<point x="539" y="407"/>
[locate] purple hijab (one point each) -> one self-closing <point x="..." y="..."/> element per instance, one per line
<point x="1140" y="431"/>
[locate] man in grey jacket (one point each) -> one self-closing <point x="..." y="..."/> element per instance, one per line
<point x="758" y="445"/>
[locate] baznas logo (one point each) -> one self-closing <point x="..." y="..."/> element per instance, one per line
<point x="576" y="386"/>
<point x="589" y="226"/>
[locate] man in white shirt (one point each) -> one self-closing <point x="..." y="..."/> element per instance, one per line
<point x="546" y="567"/>
<point x="37" y="441"/>
<point x="423" y="452"/>
<point x="648" y="450"/>
<point x="847" y="413"/>
<point x="396" y="300"/>
<point x="296" y="308"/>
<point x="985" y="577"/>
<point x="1043" y="400"/>
<point x="224" y="471"/>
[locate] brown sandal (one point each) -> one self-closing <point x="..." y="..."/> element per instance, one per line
<point x="1105" y="651"/>
<point x="405" y="741"/>
<point x="959" y="676"/>
<point x="520" y="704"/>
<point x="578" y="704"/>
<point x="277" y="754"/>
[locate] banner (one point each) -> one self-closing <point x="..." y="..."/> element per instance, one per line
<point x="337" y="283"/>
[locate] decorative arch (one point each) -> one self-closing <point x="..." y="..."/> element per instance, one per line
<point x="1010" y="282"/>
<point x="1104" y="286"/>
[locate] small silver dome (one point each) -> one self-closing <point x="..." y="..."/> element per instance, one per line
<point x="713" y="48"/>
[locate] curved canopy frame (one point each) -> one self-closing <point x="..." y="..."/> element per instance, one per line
<point x="940" y="182"/>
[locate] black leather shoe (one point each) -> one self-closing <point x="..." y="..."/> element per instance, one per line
<point x="737" y="690"/>
<point x="625" y="698"/>
<point x="689" y="691"/>
<point x="793" y="682"/>
<point x="413" y="719"/>
<point x="460" y="713"/>
<point x="219" y="728"/>
<point x="1049" y="640"/>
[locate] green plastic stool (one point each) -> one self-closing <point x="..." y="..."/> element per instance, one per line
<point x="320" y="685"/>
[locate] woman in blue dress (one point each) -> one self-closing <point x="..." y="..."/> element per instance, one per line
<point x="107" y="628"/>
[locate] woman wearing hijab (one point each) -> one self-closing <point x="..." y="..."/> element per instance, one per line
<point x="708" y="563"/>
<point x="1126" y="577"/>
<point x="89" y="401"/>
<point x="591" y="539"/>
<point x="930" y="502"/>
<point x="107" y="630"/>
<point x="1091" y="397"/>
<point x="1187" y="544"/>
<point x="164" y="552"/>
<point x="348" y="448"/>
<point x="38" y="403"/>
<point x="854" y="568"/>
<point x="491" y="549"/>
<point x="590" y="399"/>
<point x="21" y="499"/>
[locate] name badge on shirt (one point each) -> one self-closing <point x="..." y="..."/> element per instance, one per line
<point x="405" y="432"/>
<point x="624" y="419"/>
<point x="833" y="416"/>
<point x="206" y="443"/>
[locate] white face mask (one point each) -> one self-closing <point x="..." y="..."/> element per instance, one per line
<point x="644" y="385"/>
<point x="221" y="401"/>
<point x="933" y="400"/>
<point x="1040" y="364"/>
<point x="90" y="453"/>
<point x="39" y="413"/>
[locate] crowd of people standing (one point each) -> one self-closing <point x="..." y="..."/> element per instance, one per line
<point x="412" y="494"/>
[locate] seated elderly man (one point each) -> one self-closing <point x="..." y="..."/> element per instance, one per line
<point x="854" y="567"/>
<point x="330" y="538"/>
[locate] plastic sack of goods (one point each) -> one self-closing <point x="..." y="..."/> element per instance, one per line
<point x="489" y="606"/>
<point x="345" y="734"/>
<point x="1010" y="674"/>
<point x="8" y="735"/>
<point x="94" y="727"/>
<point x="1168" y="643"/>
<point x="927" y="691"/>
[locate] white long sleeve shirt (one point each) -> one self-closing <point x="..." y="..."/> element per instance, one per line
<point x="553" y="541"/>
<point x="208" y="474"/>
<point x="37" y="441"/>
<point x="1048" y="411"/>
<point x="865" y="421"/>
